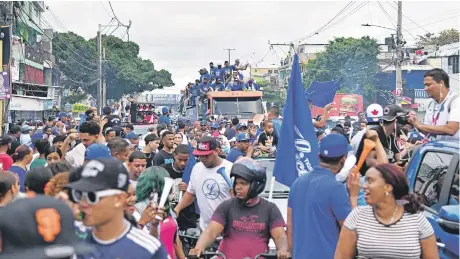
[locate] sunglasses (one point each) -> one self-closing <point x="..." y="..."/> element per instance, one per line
<point x="93" y="197"/>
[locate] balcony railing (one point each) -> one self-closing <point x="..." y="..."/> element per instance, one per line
<point x="420" y="93"/>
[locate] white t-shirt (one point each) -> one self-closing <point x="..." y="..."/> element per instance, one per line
<point x="447" y="110"/>
<point x="76" y="156"/>
<point x="210" y="189"/>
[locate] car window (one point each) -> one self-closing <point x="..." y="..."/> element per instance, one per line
<point x="454" y="190"/>
<point x="430" y="176"/>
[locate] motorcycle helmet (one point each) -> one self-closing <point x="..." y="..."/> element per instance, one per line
<point x="253" y="172"/>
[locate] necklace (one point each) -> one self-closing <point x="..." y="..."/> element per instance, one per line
<point x="394" y="214"/>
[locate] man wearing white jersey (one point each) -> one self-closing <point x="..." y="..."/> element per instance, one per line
<point x="442" y="117"/>
<point x="209" y="181"/>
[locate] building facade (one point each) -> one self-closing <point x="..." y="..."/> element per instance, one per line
<point x="35" y="92"/>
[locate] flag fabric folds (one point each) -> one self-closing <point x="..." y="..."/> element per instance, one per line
<point x="322" y="93"/>
<point x="297" y="150"/>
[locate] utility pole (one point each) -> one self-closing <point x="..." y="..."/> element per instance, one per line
<point x="99" y="52"/>
<point x="6" y="26"/>
<point x="399" y="58"/>
<point x="229" y="50"/>
<point x="104" y="83"/>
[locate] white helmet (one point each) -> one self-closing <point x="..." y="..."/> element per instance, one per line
<point x="374" y="112"/>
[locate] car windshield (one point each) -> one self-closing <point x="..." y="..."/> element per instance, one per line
<point x="269" y="165"/>
<point x="243" y="107"/>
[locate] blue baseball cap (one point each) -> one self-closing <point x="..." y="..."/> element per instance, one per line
<point x="164" y="110"/>
<point x="97" y="151"/>
<point x="62" y="114"/>
<point x="214" y="125"/>
<point x="240" y="125"/>
<point x="132" y="135"/>
<point x="243" y="136"/>
<point x="334" y="145"/>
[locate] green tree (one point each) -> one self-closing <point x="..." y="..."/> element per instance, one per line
<point x="270" y="95"/>
<point x="351" y="61"/>
<point x="125" y="72"/>
<point x="445" y="37"/>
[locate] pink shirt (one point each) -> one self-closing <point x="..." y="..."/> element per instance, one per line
<point x="168" y="229"/>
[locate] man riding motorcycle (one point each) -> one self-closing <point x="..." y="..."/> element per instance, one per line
<point x="247" y="222"/>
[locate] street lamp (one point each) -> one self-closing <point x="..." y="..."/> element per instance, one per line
<point x="373" y="25"/>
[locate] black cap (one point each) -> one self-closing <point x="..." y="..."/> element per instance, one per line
<point x="391" y="112"/>
<point x="15" y="129"/>
<point x="39" y="228"/>
<point x="5" y="140"/>
<point x="102" y="174"/>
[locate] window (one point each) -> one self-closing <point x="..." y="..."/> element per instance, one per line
<point x="453" y="64"/>
<point x="276" y="71"/>
<point x="454" y="190"/>
<point x="270" y="71"/>
<point x="430" y="176"/>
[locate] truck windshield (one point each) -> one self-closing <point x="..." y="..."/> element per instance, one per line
<point x="243" y="107"/>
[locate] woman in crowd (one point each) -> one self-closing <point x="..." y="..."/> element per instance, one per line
<point x="392" y="225"/>
<point x="151" y="182"/>
<point x="9" y="187"/>
<point x="21" y="157"/>
<point x="57" y="184"/>
<point x="53" y="155"/>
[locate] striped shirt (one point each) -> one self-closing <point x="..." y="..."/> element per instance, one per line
<point x="398" y="240"/>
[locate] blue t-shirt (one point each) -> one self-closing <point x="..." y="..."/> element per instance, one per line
<point x="227" y="71"/>
<point x="207" y="75"/>
<point x="231" y="133"/>
<point x="219" y="73"/>
<point x="318" y="202"/>
<point x="218" y="87"/>
<point x="235" y="86"/>
<point x="253" y="86"/>
<point x="164" y="120"/>
<point x="132" y="243"/>
<point x="234" y="154"/>
<point x="195" y="90"/>
<point x="277" y="126"/>
<point x="21" y="175"/>
<point x="205" y="87"/>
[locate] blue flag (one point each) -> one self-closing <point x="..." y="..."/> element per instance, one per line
<point x="188" y="168"/>
<point x="297" y="150"/>
<point x="322" y="93"/>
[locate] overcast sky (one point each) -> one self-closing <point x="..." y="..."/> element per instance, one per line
<point x="183" y="37"/>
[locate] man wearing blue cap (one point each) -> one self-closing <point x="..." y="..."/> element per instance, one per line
<point x="317" y="202"/>
<point x="243" y="148"/>
<point x="164" y="119"/>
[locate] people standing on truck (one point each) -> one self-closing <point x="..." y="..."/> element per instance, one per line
<point x="252" y="86"/>
<point x="442" y="117"/>
<point x="247" y="221"/>
<point x="318" y="204"/>
<point x="234" y="84"/>
<point x="164" y="119"/>
<point x="385" y="224"/>
<point x="205" y="87"/>
<point x="209" y="181"/>
<point x="227" y="71"/>
<point x="237" y="66"/>
<point x="218" y="85"/>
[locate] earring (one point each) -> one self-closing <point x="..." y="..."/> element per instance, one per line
<point x="386" y="193"/>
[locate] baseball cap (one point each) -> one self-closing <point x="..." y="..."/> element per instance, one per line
<point x="240" y="125"/>
<point x="214" y="125"/>
<point x="373" y="113"/>
<point x="95" y="151"/>
<point x="25" y="128"/>
<point x="132" y="135"/>
<point x="15" y="129"/>
<point x="101" y="174"/>
<point x="334" y="145"/>
<point x="205" y="146"/>
<point x="39" y="228"/>
<point x="62" y="114"/>
<point x="203" y="123"/>
<point x="391" y="112"/>
<point x="243" y="137"/>
<point x="5" y="140"/>
<point x="164" y="110"/>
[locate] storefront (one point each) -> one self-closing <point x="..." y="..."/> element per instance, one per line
<point x="29" y="108"/>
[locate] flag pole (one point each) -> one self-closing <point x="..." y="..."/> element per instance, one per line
<point x="272" y="187"/>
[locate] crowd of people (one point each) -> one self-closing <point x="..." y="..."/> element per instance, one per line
<point x="226" y="78"/>
<point x="92" y="190"/>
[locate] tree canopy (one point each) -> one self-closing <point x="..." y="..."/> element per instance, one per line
<point x="445" y="37"/>
<point x="125" y="72"/>
<point x="351" y="61"/>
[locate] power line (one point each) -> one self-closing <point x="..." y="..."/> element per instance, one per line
<point x="107" y="11"/>
<point x="392" y="21"/>
<point x="409" y="18"/>
<point x="57" y="44"/>
<point x="346" y="16"/>
<point x="442" y="20"/>
<point x="318" y="30"/>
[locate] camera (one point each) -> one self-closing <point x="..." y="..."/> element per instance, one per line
<point x="403" y="118"/>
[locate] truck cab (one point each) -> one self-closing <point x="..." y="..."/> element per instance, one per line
<point x="433" y="173"/>
<point x="241" y="104"/>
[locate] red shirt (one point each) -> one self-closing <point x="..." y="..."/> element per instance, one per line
<point x="6" y="160"/>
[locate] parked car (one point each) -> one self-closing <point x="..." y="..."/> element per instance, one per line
<point x="433" y="173"/>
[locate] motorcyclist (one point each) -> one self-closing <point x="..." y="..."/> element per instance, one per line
<point x="247" y="222"/>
